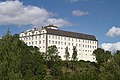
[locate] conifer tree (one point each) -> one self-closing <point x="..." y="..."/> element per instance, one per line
<point x="74" y="55"/>
<point x="67" y="55"/>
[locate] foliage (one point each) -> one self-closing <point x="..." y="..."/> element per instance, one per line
<point x="21" y="62"/>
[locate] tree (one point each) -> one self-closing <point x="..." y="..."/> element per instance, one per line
<point x="67" y="55"/>
<point x="19" y="61"/>
<point x="10" y="57"/>
<point x="33" y="64"/>
<point x="117" y="57"/>
<point x="101" y="55"/>
<point x="52" y="53"/>
<point x="109" y="70"/>
<point x="74" y="55"/>
<point x="54" y="61"/>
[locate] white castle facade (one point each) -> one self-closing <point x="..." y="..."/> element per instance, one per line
<point x="51" y="35"/>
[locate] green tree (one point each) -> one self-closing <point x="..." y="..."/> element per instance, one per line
<point x="101" y="55"/>
<point x="54" y="61"/>
<point x="74" y="55"/>
<point x="117" y="57"/>
<point x="10" y="57"/>
<point x="67" y="55"/>
<point x="52" y="53"/>
<point x="33" y="64"/>
<point x="18" y="61"/>
<point x="109" y="70"/>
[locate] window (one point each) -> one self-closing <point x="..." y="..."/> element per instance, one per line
<point x="40" y="37"/>
<point x="36" y="37"/>
<point x="29" y="38"/>
<point x="43" y="41"/>
<point x="39" y="42"/>
<point x="65" y="43"/>
<point x="72" y="39"/>
<point x="65" y="38"/>
<point x="58" y="37"/>
<point x="79" y="45"/>
<point x="59" y="42"/>
<point x="69" y="39"/>
<point x="55" y="42"/>
<point x="49" y="41"/>
<point x="53" y="36"/>
<point x="69" y="44"/>
<point x="90" y="46"/>
<point x="43" y="36"/>
<point x="95" y="47"/>
<point x="35" y="42"/>
<point x="72" y="44"/>
<point x="52" y="42"/>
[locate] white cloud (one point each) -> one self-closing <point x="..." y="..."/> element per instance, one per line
<point x="113" y="47"/>
<point x="114" y="31"/>
<point x="59" y="22"/>
<point x="14" y="12"/>
<point x="79" y="13"/>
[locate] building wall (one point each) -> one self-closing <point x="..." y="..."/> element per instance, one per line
<point x="42" y="40"/>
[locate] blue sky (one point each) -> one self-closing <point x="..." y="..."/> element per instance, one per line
<point x="97" y="17"/>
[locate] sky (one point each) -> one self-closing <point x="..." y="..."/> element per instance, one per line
<point x="96" y="17"/>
